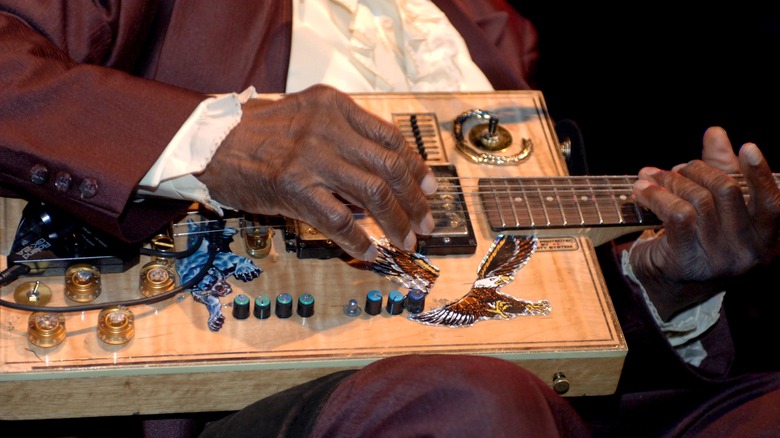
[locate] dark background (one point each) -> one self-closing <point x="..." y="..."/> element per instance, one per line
<point x="643" y="84"/>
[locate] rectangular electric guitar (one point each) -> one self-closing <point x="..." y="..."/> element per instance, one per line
<point x="509" y="272"/>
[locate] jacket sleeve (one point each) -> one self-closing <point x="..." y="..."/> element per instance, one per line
<point x="501" y="41"/>
<point x="652" y="363"/>
<point x="77" y="129"/>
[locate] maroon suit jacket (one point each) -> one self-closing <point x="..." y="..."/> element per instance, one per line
<point x="66" y="120"/>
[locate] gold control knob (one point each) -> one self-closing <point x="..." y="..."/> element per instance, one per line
<point x="82" y="283"/>
<point x="156" y="277"/>
<point x="116" y="325"/>
<point x="46" y="329"/>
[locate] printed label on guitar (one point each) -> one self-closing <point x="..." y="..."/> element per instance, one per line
<point x="558" y="244"/>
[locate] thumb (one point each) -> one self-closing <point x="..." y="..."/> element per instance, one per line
<point x="717" y="150"/>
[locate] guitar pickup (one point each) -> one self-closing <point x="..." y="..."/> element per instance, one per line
<point x="308" y="242"/>
<point x="452" y="234"/>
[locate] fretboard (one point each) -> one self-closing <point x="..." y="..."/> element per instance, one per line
<point x="562" y="202"/>
<point x="568" y="202"/>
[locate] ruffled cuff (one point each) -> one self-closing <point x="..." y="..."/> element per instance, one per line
<point x="192" y="148"/>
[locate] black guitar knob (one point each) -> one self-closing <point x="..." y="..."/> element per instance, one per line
<point x="415" y="301"/>
<point x="374" y="302"/>
<point x="395" y="302"/>
<point x="305" y="305"/>
<point x="262" y="307"/>
<point x="283" y="305"/>
<point x="241" y="306"/>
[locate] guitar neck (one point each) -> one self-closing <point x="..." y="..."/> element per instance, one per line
<point x="566" y="202"/>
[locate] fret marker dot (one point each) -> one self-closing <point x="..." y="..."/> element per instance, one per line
<point x="549" y="198"/>
<point x="584" y="198"/>
<point x="623" y="197"/>
<point x="518" y="199"/>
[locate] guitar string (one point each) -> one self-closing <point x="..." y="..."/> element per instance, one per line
<point x="558" y="197"/>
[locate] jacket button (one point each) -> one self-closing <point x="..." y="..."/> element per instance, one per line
<point x="39" y="174"/>
<point x="88" y="188"/>
<point x="62" y="181"/>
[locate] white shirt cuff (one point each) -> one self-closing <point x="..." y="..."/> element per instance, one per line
<point x="192" y="148"/>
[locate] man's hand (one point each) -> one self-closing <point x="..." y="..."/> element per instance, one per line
<point x="296" y="157"/>
<point x="713" y="229"/>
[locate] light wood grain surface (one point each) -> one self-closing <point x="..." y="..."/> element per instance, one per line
<point x="175" y="363"/>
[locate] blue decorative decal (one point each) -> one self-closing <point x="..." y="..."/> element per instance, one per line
<point x="214" y="285"/>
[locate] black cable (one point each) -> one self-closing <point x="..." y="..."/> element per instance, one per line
<point x="14" y="271"/>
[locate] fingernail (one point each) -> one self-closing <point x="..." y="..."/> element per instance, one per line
<point x="427" y="224"/>
<point x="429" y="184"/>
<point x="410" y="242"/>
<point x="752" y="153"/>
<point x="651" y="170"/>
<point x="370" y="254"/>
<point x="641" y="184"/>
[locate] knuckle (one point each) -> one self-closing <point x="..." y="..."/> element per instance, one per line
<point x="682" y="213"/>
<point x="772" y="205"/>
<point x="379" y="194"/>
<point x="322" y="89"/>
<point x="284" y="182"/>
<point x="703" y="204"/>
<point x="342" y="223"/>
<point x="395" y="170"/>
<point x="395" y="140"/>
<point x="728" y="189"/>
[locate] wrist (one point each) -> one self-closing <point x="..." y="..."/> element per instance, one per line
<point x="669" y="296"/>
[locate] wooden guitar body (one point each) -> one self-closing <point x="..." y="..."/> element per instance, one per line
<point x="175" y="363"/>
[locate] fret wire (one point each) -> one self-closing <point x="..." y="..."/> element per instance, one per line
<point x="516" y="215"/>
<point x="579" y="208"/>
<point x="528" y="210"/>
<point x="496" y="196"/>
<point x="595" y="202"/>
<point x="617" y="208"/>
<point x="497" y="199"/>
<point x="544" y="206"/>
<point x="560" y="207"/>
<point x="637" y="210"/>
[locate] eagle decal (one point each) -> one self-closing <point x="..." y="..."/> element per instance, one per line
<point x="410" y="270"/>
<point x="485" y="300"/>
